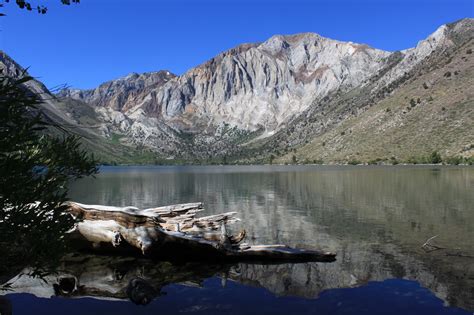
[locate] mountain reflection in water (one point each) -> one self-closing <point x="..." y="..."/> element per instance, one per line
<point x="207" y="289"/>
<point x="375" y="218"/>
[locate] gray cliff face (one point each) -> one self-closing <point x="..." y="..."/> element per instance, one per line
<point x="251" y="87"/>
<point x="265" y="85"/>
<point x="120" y="94"/>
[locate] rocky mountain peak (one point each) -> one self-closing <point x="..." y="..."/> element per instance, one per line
<point x="118" y="94"/>
<point x="263" y="85"/>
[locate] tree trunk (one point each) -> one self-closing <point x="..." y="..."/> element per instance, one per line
<point x="174" y="232"/>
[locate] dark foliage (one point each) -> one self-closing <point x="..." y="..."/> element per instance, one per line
<point x="35" y="167"/>
<point x="41" y="9"/>
<point x="435" y="158"/>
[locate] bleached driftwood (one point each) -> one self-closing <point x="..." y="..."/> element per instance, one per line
<point x="175" y="232"/>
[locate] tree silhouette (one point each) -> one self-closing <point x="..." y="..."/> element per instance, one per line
<point x="37" y="161"/>
<point x="41" y="9"/>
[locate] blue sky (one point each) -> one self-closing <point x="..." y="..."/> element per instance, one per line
<point x="98" y="40"/>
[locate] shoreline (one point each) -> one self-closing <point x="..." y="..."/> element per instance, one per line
<point x="309" y="164"/>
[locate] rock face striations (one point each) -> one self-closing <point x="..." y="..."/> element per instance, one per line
<point x="251" y="87"/>
<point x="263" y="86"/>
<point x="122" y="94"/>
<point x="262" y="99"/>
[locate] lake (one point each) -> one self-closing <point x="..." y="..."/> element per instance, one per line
<point x="375" y="217"/>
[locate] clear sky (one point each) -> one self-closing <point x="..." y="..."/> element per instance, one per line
<point x="98" y="40"/>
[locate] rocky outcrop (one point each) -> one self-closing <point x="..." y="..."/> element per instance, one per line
<point x="265" y="85"/>
<point x="122" y="94"/>
<point x="251" y="86"/>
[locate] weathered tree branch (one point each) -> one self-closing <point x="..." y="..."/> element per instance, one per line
<point x="175" y="232"/>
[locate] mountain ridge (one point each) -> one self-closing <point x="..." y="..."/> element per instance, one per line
<point x="258" y="100"/>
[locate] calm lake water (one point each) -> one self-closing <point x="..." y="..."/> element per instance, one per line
<point x="375" y="218"/>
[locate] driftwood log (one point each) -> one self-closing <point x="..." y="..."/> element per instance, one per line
<point x="174" y="232"/>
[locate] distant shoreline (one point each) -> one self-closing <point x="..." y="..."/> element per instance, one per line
<point x="309" y="164"/>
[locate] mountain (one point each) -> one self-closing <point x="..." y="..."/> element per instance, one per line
<point x="424" y="103"/>
<point x="296" y="97"/>
<point x="65" y="114"/>
<point x="120" y="94"/>
<point x="251" y="86"/>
